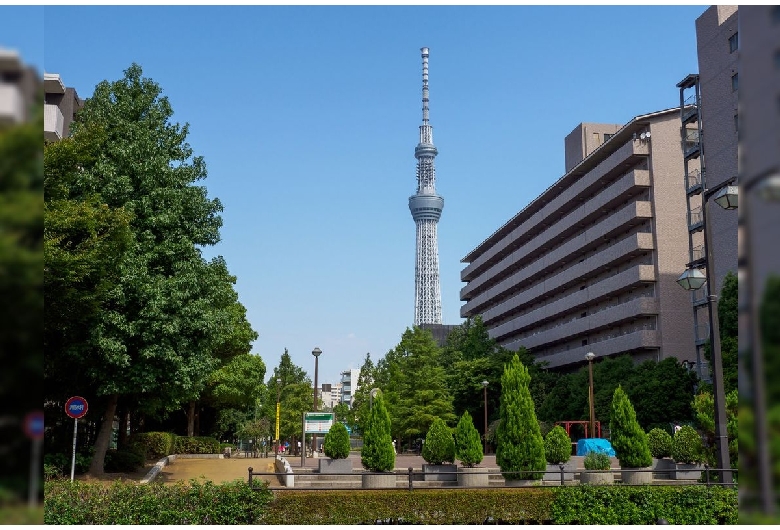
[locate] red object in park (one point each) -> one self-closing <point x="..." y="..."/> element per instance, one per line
<point x="567" y="425"/>
<point x="76" y="407"/>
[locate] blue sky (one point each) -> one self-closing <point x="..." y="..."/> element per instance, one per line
<point x="307" y="118"/>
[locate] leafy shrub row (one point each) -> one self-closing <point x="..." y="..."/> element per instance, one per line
<point x="124" y="460"/>
<point x="131" y="503"/>
<point x="159" y="444"/>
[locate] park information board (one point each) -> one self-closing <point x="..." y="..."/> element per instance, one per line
<point x="317" y="422"/>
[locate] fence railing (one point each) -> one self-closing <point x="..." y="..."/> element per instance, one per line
<point x="710" y="477"/>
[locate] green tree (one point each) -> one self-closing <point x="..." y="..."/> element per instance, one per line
<point x="416" y="392"/>
<point x="704" y="407"/>
<point x="439" y="446"/>
<point x="336" y="443"/>
<point x="238" y="384"/>
<point x="627" y="437"/>
<point x="341" y="412"/>
<point x="295" y="391"/>
<point x="361" y="399"/>
<point x="728" y="314"/>
<point x="377" y="453"/>
<point x="520" y="449"/>
<point x="468" y="447"/>
<point x="557" y="446"/>
<point x="162" y="321"/>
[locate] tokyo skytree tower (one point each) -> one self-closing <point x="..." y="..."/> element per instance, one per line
<point x="426" y="208"/>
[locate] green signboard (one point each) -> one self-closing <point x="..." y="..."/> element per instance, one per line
<point x="317" y="422"/>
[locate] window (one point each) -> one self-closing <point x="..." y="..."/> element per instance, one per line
<point x="734" y="82"/>
<point x="584" y="342"/>
<point x="607" y="136"/>
<point x="734" y="43"/>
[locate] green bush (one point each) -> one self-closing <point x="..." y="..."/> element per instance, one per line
<point x="595" y="461"/>
<point x="377" y="453"/>
<point x="660" y="443"/>
<point x="627" y="437"/>
<point x="687" y="446"/>
<point x="468" y="447"/>
<point x="645" y="505"/>
<point x="62" y="462"/>
<point x="124" y="460"/>
<point x="196" y="445"/>
<point x="154" y="445"/>
<point x="336" y="444"/>
<point x="557" y="446"/>
<point x="520" y="448"/>
<point x="439" y="446"/>
<point x="93" y="503"/>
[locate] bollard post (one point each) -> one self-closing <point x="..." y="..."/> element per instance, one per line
<point x="250" y="477"/>
<point x="410" y="479"/>
<point x="707" y="474"/>
<point x="561" y="466"/>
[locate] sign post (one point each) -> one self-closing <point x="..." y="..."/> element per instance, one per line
<point x="315" y="423"/>
<point x="76" y="407"/>
<point x="33" y="428"/>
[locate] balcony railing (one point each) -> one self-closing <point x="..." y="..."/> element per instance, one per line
<point x="702" y="333"/>
<point x="695" y="218"/>
<point x="697" y="253"/>
<point x="693" y="180"/>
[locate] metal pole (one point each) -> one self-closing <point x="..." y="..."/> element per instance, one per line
<point x="276" y="431"/>
<point x="314" y="436"/>
<point x="484" y="389"/>
<point x="34" y="470"/>
<point x="73" y="461"/>
<point x="721" y="433"/>
<point x="590" y="399"/>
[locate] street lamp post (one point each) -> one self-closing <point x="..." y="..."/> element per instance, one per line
<point x="590" y="356"/>
<point x="316" y="352"/>
<point x="278" y="398"/>
<point x="693" y="279"/>
<point x="484" y="397"/>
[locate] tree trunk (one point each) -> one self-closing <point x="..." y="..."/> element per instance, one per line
<point x="191" y="420"/>
<point x="103" y="437"/>
<point x="197" y="420"/>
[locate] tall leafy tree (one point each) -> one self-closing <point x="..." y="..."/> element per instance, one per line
<point x="162" y="320"/>
<point x="362" y="394"/>
<point x="377" y="453"/>
<point x="520" y="451"/>
<point x="295" y="392"/>
<point x="416" y="392"/>
<point x="627" y="437"/>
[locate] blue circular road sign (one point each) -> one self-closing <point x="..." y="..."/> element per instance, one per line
<point x="33" y="425"/>
<point x="76" y="407"/>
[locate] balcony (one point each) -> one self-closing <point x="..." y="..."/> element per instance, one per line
<point x="691" y="143"/>
<point x="701" y="333"/>
<point x="690" y="111"/>
<point x="699" y="296"/>
<point x="572" y="190"/>
<point x="695" y="219"/>
<point x="11" y="104"/>
<point x="609" y="200"/>
<point x="612" y="316"/>
<point x="53" y="123"/>
<point x="638" y="340"/>
<point x="693" y="182"/>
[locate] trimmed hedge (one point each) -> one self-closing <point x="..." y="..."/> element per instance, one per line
<point x="92" y="503"/>
<point x="660" y="443"/>
<point x="154" y="444"/>
<point x="687" y="446"/>
<point x="124" y="460"/>
<point x="428" y="506"/>
<point x="196" y="445"/>
<point x="644" y="505"/>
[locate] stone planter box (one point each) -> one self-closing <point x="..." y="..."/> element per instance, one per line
<point x="635" y="476"/>
<point x="441" y="472"/>
<point x="330" y="466"/>
<point x="371" y="480"/>
<point x="554" y="472"/>
<point x="687" y="471"/>
<point x="596" y="477"/>
<point x="471" y="477"/>
<point x="662" y="468"/>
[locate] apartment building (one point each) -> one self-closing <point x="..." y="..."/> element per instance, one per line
<point x="60" y="106"/>
<point x="590" y="265"/>
<point x="349" y="384"/>
<point x="19" y="85"/>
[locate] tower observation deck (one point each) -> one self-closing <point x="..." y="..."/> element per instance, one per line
<point x="426" y="207"/>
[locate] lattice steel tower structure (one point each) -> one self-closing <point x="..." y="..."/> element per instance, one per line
<point x="426" y="208"/>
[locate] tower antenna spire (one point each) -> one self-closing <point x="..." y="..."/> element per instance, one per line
<point x="425" y="207"/>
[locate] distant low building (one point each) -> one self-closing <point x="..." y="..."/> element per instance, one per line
<point x="19" y="86"/>
<point x="60" y="106"/>
<point x="440" y="332"/>
<point x="349" y="384"/>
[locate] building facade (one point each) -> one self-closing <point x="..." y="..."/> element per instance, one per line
<point x="590" y="265"/>
<point x="60" y="106"/>
<point x="19" y="85"/>
<point x="349" y="385"/>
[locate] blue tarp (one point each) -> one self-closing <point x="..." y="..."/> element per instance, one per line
<point x="594" y="445"/>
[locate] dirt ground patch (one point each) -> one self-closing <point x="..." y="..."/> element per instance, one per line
<point x="216" y="470"/>
<point x="113" y="477"/>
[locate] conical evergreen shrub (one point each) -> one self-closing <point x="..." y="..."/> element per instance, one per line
<point x="557" y="446"/>
<point x="439" y="444"/>
<point x="520" y="448"/>
<point x="468" y="446"/>
<point x="336" y="444"/>
<point x="627" y="437"/>
<point x="378" y="453"/>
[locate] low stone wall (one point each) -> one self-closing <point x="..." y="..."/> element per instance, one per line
<point x="283" y="468"/>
